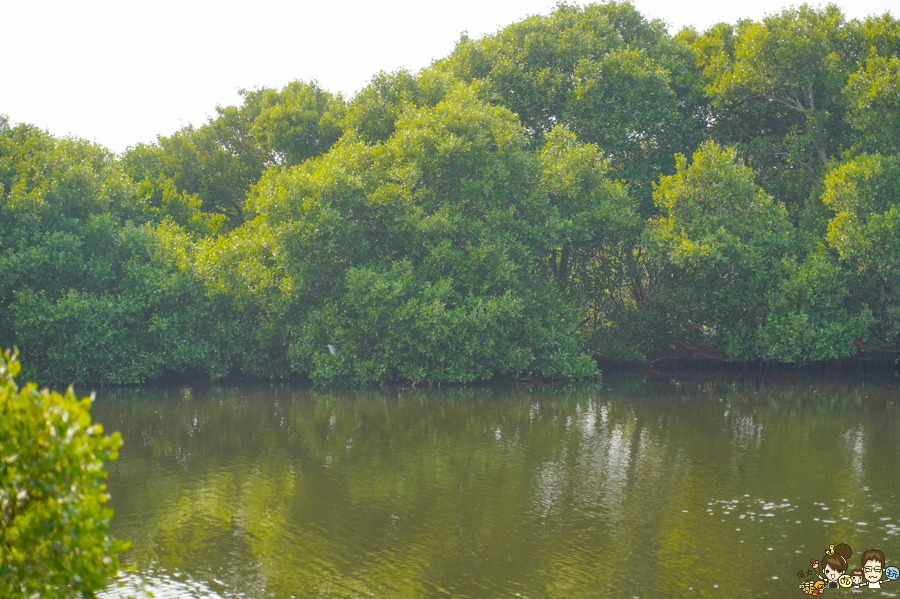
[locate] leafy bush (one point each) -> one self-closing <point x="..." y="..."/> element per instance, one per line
<point x="53" y="526"/>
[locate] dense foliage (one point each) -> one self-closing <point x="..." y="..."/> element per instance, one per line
<point x="581" y="184"/>
<point x="53" y="526"/>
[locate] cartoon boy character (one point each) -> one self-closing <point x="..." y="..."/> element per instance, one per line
<point x="834" y="564"/>
<point x="873" y="567"/>
<point x="857" y="577"/>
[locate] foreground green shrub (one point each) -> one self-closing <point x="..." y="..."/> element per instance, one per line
<point x="53" y="526"/>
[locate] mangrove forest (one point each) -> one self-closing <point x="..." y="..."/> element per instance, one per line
<point x="577" y="187"/>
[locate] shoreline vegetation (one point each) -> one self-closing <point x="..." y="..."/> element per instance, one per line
<point x="580" y="188"/>
<point x="54" y="540"/>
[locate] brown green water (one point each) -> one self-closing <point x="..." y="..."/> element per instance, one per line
<point x="636" y="487"/>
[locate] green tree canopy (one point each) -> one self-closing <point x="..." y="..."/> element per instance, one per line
<point x="417" y="258"/>
<point x="865" y="195"/>
<point x="373" y="112"/>
<point x="526" y="199"/>
<point x="220" y="160"/>
<point x="874" y="95"/>
<point x="606" y="73"/>
<point x="776" y="85"/>
<point x="717" y="249"/>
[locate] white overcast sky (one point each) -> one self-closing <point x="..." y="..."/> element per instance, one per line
<point x="123" y="71"/>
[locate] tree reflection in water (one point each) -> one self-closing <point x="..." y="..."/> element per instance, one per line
<point x="634" y="487"/>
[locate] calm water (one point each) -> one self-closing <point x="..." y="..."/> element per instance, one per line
<point x="639" y="487"/>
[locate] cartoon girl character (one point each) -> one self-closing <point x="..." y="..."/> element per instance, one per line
<point x="834" y="564"/>
<point x="857" y="576"/>
<point x="873" y="567"/>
